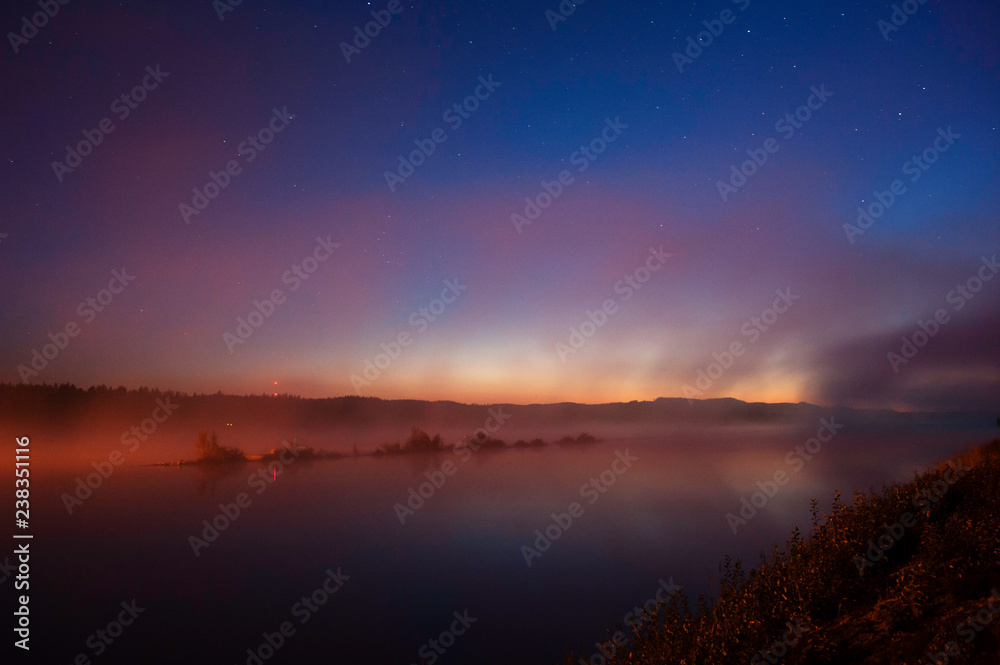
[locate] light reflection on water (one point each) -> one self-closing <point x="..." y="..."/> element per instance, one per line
<point x="662" y="518"/>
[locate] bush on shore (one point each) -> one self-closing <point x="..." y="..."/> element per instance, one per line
<point x="861" y="587"/>
<point x="210" y="452"/>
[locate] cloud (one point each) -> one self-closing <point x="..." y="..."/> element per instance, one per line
<point x="958" y="369"/>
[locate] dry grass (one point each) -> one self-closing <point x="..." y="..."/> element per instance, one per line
<point x="908" y="603"/>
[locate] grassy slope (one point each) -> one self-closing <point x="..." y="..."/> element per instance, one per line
<point x="913" y="600"/>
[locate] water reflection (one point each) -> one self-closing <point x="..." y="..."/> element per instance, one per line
<point x="459" y="550"/>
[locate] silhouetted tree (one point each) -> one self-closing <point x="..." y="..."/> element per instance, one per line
<point x="210" y="451"/>
<point x="420" y="441"/>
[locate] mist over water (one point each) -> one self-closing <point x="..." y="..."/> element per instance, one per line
<point x="454" y="332"/>
<point x="661" y="517"/>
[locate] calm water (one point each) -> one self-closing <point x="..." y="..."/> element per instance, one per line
<point x="663" y="518"/>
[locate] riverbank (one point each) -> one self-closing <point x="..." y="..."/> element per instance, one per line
<point x="907" y="575"/>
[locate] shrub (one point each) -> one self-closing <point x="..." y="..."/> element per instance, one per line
<point x="210" y="452"/>
<point x="906" y="604"/>
<point x="420" y="441"/>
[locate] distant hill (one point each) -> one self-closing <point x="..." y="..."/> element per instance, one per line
<point x="68" y="407"/>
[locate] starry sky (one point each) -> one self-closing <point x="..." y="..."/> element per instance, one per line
<point x="518" y="202"/>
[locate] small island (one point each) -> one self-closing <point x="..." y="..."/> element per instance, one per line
<point x="211" y="452"/>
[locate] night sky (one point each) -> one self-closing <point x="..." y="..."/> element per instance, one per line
<point x="647" y="240"/>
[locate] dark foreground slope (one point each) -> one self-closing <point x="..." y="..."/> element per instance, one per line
<point x="908" y="575"/>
